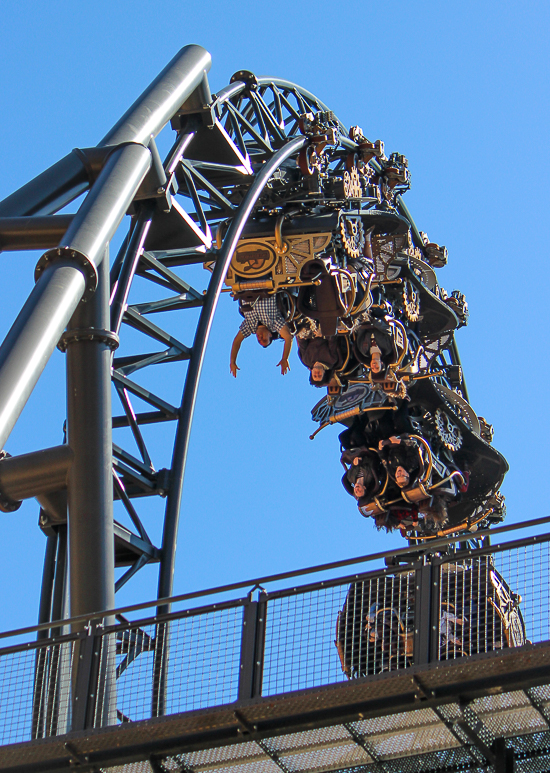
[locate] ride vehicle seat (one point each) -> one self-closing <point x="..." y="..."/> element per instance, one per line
<point x="321" y="302"/>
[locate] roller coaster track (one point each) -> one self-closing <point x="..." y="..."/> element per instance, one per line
<point x="230" y="159"/>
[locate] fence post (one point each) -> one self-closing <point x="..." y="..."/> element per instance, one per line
<point x="89" y="683"/>
<point x="252" y="647"/>
<point x="422" y="612"/>
<point x="435" y="585"/>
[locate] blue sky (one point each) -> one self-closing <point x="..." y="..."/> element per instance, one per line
<point x="462" y="90"/>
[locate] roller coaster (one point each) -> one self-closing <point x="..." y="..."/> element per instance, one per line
<point x="305" y="223"/>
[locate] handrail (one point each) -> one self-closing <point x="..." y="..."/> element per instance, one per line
<point x="409" y="550"/>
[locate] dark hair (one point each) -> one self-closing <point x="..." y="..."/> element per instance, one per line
<point x="327" y="378"/>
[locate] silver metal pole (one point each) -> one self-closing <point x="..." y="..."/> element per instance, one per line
<point x="39" y="472"/>
<point x="33" y="337"/>
<point x="158" y="103"/>
<point x="64" y="274"/>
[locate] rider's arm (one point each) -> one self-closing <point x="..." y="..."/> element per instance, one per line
<point x="237" y="341"/>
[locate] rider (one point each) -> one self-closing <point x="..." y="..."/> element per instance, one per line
<point x="264" y="319"/>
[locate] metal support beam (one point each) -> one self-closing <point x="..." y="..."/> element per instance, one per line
<point x="129" y="265"/>
<point x="39" y="472"/>
<point x="362" y="742"/>
<point x="32" y="233"/>
<point x="422" y="614"/>
<point x="34" y="336"/>
<point x="100" y="215"/>
<point x="161" y="100"/>
<point x="90" y="438"/>
<point x="472" y="726"/>
<point x="91" y="536"/>
<point x="252" y="648"/>
<point x="56" y="187"/>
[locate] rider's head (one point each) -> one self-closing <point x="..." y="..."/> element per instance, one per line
<point x="264" y="336"/>
<point x="401" y="477"/>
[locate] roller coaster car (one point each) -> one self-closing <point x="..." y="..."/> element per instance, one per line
<point x="274" y="250"/>
<point x="478" y="612"/>
<point x="417" y="482"/>
<point x="450" y="426"/>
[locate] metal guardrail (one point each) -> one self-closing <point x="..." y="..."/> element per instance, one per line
<point x="413" y="607"/>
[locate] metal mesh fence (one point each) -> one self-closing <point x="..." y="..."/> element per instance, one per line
<point x="35" y="692"/>
<point x="300" y="635"/>
<point x="320" y="634"/>
<point x="202" y="663"/>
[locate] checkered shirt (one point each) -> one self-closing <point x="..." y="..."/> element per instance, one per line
<point x="265" y="312"/>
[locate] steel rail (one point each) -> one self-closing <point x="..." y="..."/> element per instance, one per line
<point x="187" y="408"/>
<point x="194" y="370"/>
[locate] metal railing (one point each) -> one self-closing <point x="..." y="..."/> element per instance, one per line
<point x="452" y="598"/>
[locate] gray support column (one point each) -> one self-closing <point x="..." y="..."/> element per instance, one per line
<point x="91" y="547"/>
<point x="91" y="539"/>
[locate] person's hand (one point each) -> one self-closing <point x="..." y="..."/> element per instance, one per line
<point x="233" y="368"/>
<point x="285" y="367"/>
<point x="395" y="441"/>
<point x="381" y="444"/>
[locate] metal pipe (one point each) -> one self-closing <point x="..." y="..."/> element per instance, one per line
<point x="89" y="434"/>
<point x="48" y="574"/>
<point x="90" y="499"/>
<point x="41" y="658"/>
<point x="102" y="211"/>
<point x="34" y="336"/>
<point x="158" y="103"/>
<point x="50" y="191"/>
<point x="39" y="472"/>
<point x="131" y="260"/>
<point x="32" y="233"/>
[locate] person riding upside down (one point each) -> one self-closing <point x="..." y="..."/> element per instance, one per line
<point x="363" y="477"/>
<point x="402" y="458"/>
<point x="374" y="346"/>
<point x="322" y="356"/>
<point x="264" y="319"/>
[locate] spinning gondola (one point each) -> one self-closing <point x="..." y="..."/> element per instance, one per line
<point x="478" y="612"/>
